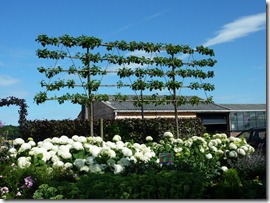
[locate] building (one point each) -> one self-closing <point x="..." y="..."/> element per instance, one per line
<point x="215" y="117"/>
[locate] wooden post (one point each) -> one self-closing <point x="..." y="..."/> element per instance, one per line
<point x="90" y="105"/>
<point x="101" y="128"/>
<point x="175" y="103"/>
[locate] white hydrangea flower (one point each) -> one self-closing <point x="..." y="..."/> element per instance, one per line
<point x="209" y="156"/>
<point x="18" y="141"/>
<point x="250" y="149"/>
<point x="118" y="168"/>
<point x="126" y="152"/>
<point x="79" y="163"/>
<point x="77" y="146"/>
<point x="55" y="148"/>
<point x="68" y="165"/>
<point x="232" y="146"/>
<point x="47" y="145"/>
<point x="241" y="151"/>
<point x="138" y="155"/>
<point x="110" y="144"/>
<point x="232" y="154"/>
<point x="133" y="158"/>
<point x="98" y="139"/>
<point x="111" y="153"/>
<point x="40" y="144"/>
<point x="168" y="134"/>
<point x="202" y="150"/>
<point x="55" y="158"/>
<point x="47" y="140"/>
<point x="82" y="139"/>
<point x="55" y="140"/>
<point x="224" y="168"/>
<point x="32" y="143"/>
<point x="119" y="145"/>
<point x="58" y="164"/>
<point x="63" y="148"/>
<point x="66" y="155"/>
<point x="24" y="162"/>
<point x="116" y="138"/>
<point x="179" y="141"/>
<point x="52" y="153"/>
<point x="149" y="138"/>
<point x="219" y="151"/>
<point x="12" y="150"/>
<point x="218" y="141"/>
<point x="212" y="143"/>
<point x="95" y="150"/>
<point x="25" y="147"/>
<point x="137" y="145"/>
<point x="70" y="146"/>
<point x="85" y="168"/>
<point x="178" y="149"/>
<point x="213" y="148"/>
<point x="64" y="139"/>
<point x="244" y="148"/>
<point x="76" y="138"/>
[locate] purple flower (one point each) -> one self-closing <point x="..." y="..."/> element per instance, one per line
<point x="28" y="182"/>
<point x="1" y="124"/>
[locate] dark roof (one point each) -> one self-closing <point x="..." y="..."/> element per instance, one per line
<point x="211" y="107"/>
<point x="129" y="106"/>
<point x="244" y="107"/>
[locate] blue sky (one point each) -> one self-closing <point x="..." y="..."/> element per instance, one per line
<point x="235" y="30"/>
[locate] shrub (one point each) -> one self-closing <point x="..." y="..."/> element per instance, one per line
<point x="151" y="185"/>
<point x="129" y="129"/>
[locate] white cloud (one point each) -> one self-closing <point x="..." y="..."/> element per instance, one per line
<point x="142" y="21"/>
<point x="238" y="28"/>
<point x="6" y="80"/>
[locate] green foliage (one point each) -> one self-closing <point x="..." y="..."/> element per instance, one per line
<point x="233" y="186"/>
<point x="251" y="166"/>
<point x="10" y="132"/>
<point x="23" y="108"/>
<point x="86" y="70"/>
<point x="151" y="185"/>
<point x="91" y="86"/>
<point x="46" y="192"/>
<point x="128" y="129"/>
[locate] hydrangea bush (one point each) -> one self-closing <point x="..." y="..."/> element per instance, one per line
<point x="94" y="155"/>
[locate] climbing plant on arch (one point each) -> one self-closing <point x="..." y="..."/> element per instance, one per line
<point x="19" y="102"/>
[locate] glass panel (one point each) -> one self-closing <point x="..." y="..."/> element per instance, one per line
<point x="233" y="121"/>
<point x="261" y="121"/>
<point x="240" y="121"/>
<point x="246" y="120"/>
<point x="252" y="117"/>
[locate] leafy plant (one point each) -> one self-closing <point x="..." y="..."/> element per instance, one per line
<point x="172" y="63"/>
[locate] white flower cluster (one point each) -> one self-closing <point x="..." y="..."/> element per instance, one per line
<point x="93" y="155"/>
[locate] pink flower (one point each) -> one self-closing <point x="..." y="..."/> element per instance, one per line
<point x="18" y="194"/>
<point x="4" y="190"/>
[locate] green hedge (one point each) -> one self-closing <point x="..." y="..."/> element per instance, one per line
<point x="162" y="185"/>
<point x="128" y="129"/>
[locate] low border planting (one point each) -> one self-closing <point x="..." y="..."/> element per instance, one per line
<point x="77" y="158"/>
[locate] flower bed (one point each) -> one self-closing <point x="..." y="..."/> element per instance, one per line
<point x="92" y="154"/>
<point x="207" y="155"/>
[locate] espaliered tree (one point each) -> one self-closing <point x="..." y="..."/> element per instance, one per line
<point x="163" y="71"/>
